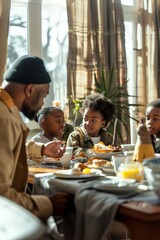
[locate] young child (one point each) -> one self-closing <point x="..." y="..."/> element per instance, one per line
<point x="51" y="121"/>
<point x="97" y="113"/>
<point x="153" y="123"/>
<point x="53" y="127"/>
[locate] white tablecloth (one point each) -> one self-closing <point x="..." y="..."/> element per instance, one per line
<point x="94" y="210"/>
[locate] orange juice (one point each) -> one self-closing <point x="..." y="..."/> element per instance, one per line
<point x="129" y="173"/>
<point x="131" y="170"/>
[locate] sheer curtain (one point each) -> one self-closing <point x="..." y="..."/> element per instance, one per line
<point x="96" y="37"/>
<point x="4" y="25"/>
<point x="148" y="52"/>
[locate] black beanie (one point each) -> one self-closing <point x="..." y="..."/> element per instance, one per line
<point x="28" y="69"/>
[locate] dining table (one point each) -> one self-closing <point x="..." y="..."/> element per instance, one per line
<point x="140" y="214"/>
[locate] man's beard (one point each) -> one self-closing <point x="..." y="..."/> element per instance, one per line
<point x="30" y="114"/>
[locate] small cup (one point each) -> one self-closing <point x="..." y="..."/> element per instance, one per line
<point x="66" y="158"/>
<point x="69" y="149"/>
<point x="117" y="160"/>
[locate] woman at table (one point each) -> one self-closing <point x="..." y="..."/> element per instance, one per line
<point x="53" y="127"/>
<point x="97" y="113"/>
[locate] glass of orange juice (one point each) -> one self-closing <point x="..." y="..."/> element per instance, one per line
<point x="132" y="170"/>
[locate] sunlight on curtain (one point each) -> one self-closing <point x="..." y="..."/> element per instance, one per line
<point x="147" y="52"/>
<point x="0" y="8"/>
<point x="96" y="39"/>
<point x="4" y="25"/>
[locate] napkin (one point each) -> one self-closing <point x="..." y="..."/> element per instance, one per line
<point x="95" y="212"/>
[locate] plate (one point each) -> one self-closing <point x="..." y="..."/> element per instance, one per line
<point x="91" y="153"/>
<point x="51" y="160"/>
<point x="109" y="171"/>
<point x="100" y="167"/>
<point x="69" y="174"/>
<point x="122" y="187"/>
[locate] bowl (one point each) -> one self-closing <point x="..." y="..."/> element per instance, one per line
<point x="152" y="173"/>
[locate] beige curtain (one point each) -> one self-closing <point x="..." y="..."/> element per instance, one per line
<point x="147" y="52"/>
<point x="4" y="26"/>
<point x="96" y="38"/>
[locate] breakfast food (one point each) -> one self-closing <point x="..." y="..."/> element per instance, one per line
<point x="76" y="171"/>
<point x="80" y="157"/>
<point x="81" y="154"/>
<point x="98" y="162"/>
<point x="90" y="160"/>
<point x="86" y="171"/>
<point x="102" y="148"/>
<point x="80" y="166"/>
<point x="79" y="171"/>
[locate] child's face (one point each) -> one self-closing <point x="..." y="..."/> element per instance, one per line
<point x="153" y="121"/>
<point x="93" y="121"/>
<point x="53" y="124"/>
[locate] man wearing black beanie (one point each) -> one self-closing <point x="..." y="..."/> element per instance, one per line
<point x="26" y="86"/>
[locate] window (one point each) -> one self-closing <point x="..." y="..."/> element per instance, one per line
<point x="128" y="2"/>
<point x="42" y="33"/>
<point x="17" y="43"/>
<point x="130" y="18"/>
<point x="55" y="47"/>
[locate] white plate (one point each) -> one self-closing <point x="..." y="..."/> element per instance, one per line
<point x="69" y="174"/>
<point x="51" y="160"/>
<point x="123" y="187"/>
<point x="118" y="179"/>
<point x="91" y="153"/>
<point x="100" y="167"/>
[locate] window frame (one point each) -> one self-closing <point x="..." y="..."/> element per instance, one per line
<point x="130" y="15"/>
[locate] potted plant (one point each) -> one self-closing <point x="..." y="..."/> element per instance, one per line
<point x="77" y="115"/>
